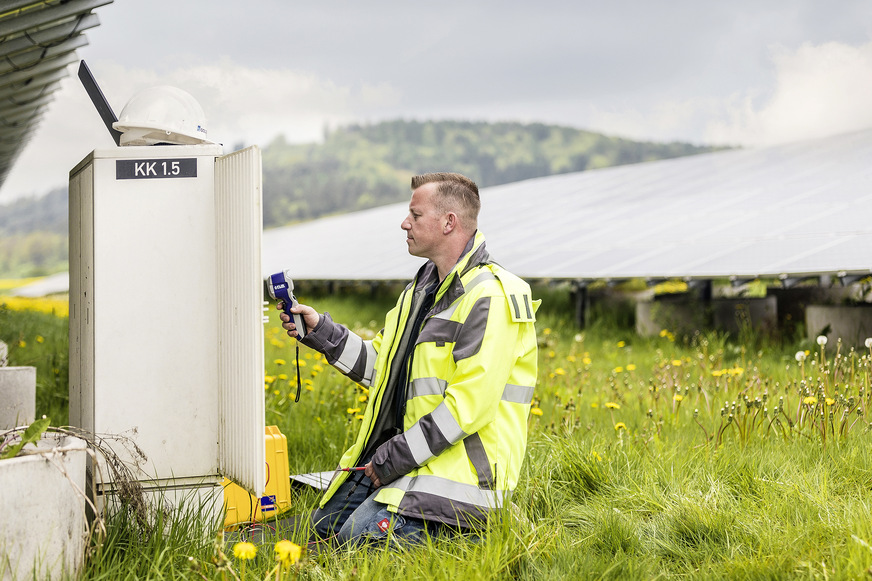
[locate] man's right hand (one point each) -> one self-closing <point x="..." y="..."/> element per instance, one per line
<point x="310" y="317"/>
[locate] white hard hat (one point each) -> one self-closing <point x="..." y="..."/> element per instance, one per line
<point x="162" y="114"/>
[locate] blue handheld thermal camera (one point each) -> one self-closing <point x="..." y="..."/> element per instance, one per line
<point x="281" y="288"/>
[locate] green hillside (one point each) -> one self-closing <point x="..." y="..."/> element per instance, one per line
<point x="357" y="167"/>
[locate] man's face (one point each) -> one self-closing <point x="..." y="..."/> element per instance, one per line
<point x="424" y="223"/>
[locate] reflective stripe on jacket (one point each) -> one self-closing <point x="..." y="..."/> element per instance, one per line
<point x="467" y="399"/>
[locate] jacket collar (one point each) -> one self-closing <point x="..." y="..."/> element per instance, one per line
<point x="451" y="288"/>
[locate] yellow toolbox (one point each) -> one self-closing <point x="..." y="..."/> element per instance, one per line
<point x="241" y="507"/>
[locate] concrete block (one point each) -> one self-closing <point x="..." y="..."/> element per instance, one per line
<point x="17" y="396"/>
<point x="850" y="323"/>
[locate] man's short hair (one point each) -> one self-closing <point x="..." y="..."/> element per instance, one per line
<point x="455" y="193"/>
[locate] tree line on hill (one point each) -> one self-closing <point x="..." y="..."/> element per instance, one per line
<point x="357" y="167"/>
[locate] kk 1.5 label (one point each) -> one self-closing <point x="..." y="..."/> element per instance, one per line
<point x="144" y="169"/>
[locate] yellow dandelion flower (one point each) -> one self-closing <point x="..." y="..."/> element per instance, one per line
<point x="307" y="381"/>
<point x="352" y="411"/>
<point x="276" y="392"/>
<point x="40" y="339"/>
<point x="551" y="354"/>
<point x="287" y="552"/>
<point x="677" y="362"/>
<point x="612" y="405"/>
<point x="283" y="376"/>
<point x="830" y="401"/>
<point x="631" y="367"/>
<point x="318" y="356"/>
<point x="358" y="417"/>
<point x="302" y="363"/>
<point x="536" y="411"/>
<point x="586" y="361"/>
<point x="621" y="344"/>
<point x="547" y="331"/>
<point x="269" y="379"/>
<point x="664" y="332"/>
<point x="736" y="371"/>
<point x="596" y="456"/>
<point x="317" y="368"/>
<point x="22" y="343"/>
<point x="244" y="551"/>
<point x="310" y="388"/>
<point x="361" y="398"/>
<point x="678" y="397"/>
<point x="308" y="355"/>
<point x="618" y="369"/>
<point x="718" y="372"/>
<point x="810" y="400"/>
<point x="594" y="405"/>
<point x="620" y="426"/>
<point x="559" y="371"/>
<point x="279" y="361"/>
<point x="571" y="358"/>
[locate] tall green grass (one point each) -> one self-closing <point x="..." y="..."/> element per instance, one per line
<point x="700" y="457"/>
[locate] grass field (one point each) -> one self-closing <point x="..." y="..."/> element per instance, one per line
<point x="701" y="458"/>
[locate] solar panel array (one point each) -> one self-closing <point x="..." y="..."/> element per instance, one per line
<point x="38" y="41"/>
<point x="789" y="211"/>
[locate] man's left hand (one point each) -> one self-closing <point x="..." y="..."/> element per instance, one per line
<point x="370" y="472"/>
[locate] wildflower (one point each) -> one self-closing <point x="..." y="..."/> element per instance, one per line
<point x="547" y="331"/>
<point x="317" y="368"/>
<point x="663" y="332"/>
<point x="619" y="369"/>
<point x="800" y="356"/>
<point x="358" y="417"/>
<point x="718" y="372"/>
<point x="612" y="405"/>
<point x="22" y="343"/>
<point x="40" y="339"/>
<point x="830" y="401"/>
<point x="551" y="354"/>
<point x="361" y="398"/>
<point x="579" y="338"/>
<point x="571" y="358"/>
<point x="283" y="376"/>
<point x="822" y="340"/>
<point x="736" y="371"/>
<point x="279" y="361"/>
<point x="244" y="551"/>
<point x="269" y="379"/>
<point x="620" y="426"/>
<point x="559" y="371"/>
<point x="352" y="411"/>
<point x="677" y="362"/>
<point x="621" y="344"/>
<point x="868" y="342"/>
<point x="586" y="361"/>
<point x="596" y="456"/>
<point x="594" y="405"/>
<point x="810" y="400"/>
<point x="678" y="397"/>
<point x="536" y="411"/>
<point x="287" y="552"/>
<point x="631" y="367"/>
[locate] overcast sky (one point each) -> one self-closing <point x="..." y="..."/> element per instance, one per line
<point x="745" y="72"/>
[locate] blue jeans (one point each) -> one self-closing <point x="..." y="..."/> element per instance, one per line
<point x="353" y="516"/>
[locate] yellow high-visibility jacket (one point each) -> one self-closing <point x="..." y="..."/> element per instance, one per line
<point x="469" y="385"/>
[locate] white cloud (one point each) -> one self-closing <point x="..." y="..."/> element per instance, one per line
<point x="819" y="90"/>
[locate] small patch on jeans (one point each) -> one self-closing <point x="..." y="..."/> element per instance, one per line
<point x="383" y="525"/>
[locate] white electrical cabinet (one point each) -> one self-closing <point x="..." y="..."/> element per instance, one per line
<point x="166" y="310"/>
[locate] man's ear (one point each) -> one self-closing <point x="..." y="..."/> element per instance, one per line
<point x="450" y="223"/>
